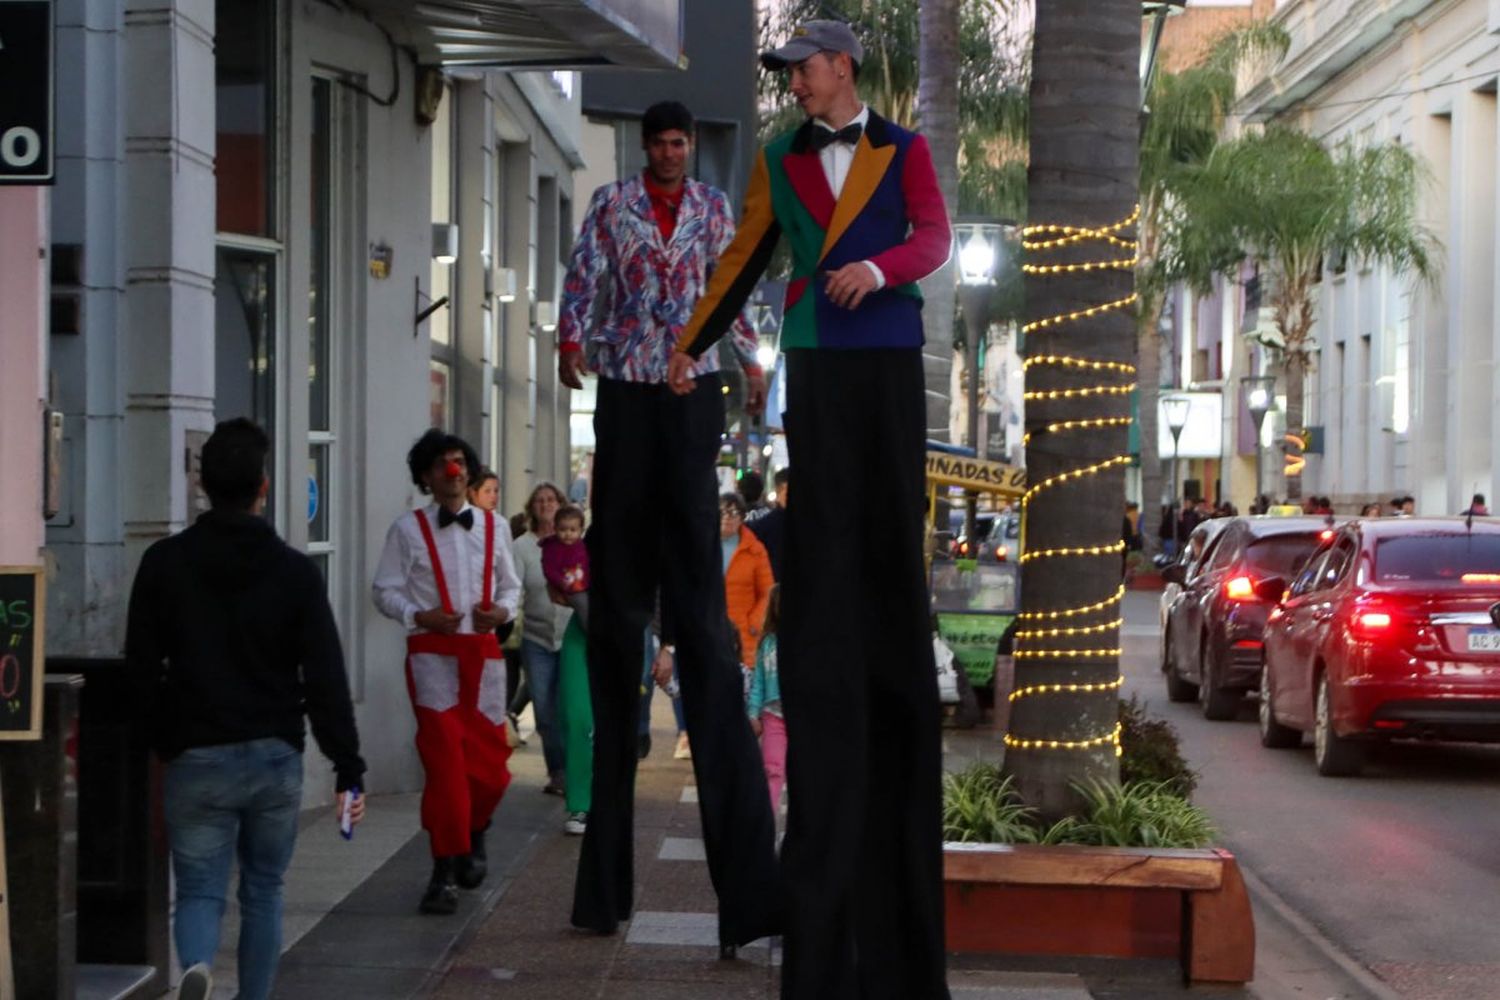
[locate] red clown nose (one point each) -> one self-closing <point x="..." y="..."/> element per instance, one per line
<point x="454" y="470"/>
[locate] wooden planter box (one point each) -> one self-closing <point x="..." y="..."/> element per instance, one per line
<point x="1114" y="902"/>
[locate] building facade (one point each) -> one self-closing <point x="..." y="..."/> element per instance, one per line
<point x="346" y="222"/>
<point x="1404" y="389"/>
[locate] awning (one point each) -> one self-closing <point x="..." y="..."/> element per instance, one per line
<point x="537" y="34"/>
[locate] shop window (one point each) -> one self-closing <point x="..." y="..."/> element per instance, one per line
<point x="244" y="157"/>
<point x="245" y="338"/>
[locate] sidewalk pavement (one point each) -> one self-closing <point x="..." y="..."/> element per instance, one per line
<point x="352" y="930"/>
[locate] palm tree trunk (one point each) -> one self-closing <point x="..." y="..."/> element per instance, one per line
<point x="1085" y="135"/>
<point x="1149" y="376"/>
<point x="937" y="109"/>
<point x="1294" y="369"/>
<point x="1294" y="315"/>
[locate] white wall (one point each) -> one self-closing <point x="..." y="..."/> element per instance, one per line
<point x="23" y="325"/>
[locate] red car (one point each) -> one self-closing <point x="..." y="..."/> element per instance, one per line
<point x="1391" y="630"/>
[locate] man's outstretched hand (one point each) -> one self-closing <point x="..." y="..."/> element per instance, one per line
<point x="570" y="367"/>
<point x="680" y="373"/>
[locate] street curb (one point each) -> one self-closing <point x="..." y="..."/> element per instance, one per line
<point x="1263" y="894"/>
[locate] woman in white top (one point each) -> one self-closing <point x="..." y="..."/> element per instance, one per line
<point x="542" y="626"/>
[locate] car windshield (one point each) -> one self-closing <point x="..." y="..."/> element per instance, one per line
<point x="1437" y="557"/>
<point x="1282" y="555"/>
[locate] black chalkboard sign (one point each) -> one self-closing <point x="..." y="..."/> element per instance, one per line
<point x="22" y="589"/>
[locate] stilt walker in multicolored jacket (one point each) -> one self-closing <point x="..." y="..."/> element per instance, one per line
<point x="857" y="198"/>
<point x="446" y="574"/>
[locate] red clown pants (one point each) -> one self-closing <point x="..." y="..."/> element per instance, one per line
<point x="457" y="688"/>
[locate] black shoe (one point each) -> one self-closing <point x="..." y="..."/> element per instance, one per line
<point x="728" y="953"/>
<point x="643" y="746"/>
<point x="470" y="869"/>
<point x="441" y="897"/>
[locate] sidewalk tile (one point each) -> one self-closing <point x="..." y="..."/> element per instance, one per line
<point x="682" y="849"/>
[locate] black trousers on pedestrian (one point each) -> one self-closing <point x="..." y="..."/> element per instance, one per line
<point x="656" y="522"/>
<point x="862" y="862"/>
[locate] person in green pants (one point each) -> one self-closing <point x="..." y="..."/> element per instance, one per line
<point x="576" y="717"/>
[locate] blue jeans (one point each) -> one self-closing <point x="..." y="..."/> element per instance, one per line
<point x="541" y="666"/>
<point x="648" y="688"/>
<point x="239" y="798"/>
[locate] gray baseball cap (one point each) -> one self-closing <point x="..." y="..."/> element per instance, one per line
<point x="811" y="38"/>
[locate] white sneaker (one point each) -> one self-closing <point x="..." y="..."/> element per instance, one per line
<point x="683" y="751"/>
<point x="577" y="824"/>
<point x="197" y="983"/>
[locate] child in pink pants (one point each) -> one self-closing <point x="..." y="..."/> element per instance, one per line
<point x="763" y="702"/>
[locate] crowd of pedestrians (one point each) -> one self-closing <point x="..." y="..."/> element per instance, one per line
<point x="597" y="607"/>
<point x="1177" y="523"/>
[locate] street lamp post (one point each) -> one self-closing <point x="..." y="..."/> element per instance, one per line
<point x="1175" y="412"/>
<point x="977" y="245"/>
<point x="1258" y="389"/>
<point x="1155" y="14"/>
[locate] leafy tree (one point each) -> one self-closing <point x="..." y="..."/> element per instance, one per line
<point x="1293" y="205"/>
<point x="1187" y="112"/>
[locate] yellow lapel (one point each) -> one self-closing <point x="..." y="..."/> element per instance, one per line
<point x="865" y="172"/>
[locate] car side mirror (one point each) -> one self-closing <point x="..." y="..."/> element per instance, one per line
<point x="1175" y="573"/>
<point x="1271" y="589"/>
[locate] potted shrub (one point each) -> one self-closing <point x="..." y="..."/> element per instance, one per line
<point x="1133" y="876"/>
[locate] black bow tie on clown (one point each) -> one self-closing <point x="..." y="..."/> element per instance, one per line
<point x="823" y="136"/>
<point x="465" y="517"/>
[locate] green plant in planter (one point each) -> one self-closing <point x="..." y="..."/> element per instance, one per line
<point x="1141" y="814"/>
<point x="980" y="807"/>
<point x="1151" y="750"/>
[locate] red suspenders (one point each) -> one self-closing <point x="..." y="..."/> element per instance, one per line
<point x="437" y="564"/>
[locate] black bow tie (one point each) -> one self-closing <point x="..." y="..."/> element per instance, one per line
<point x="465" y="517"/>
<point x="822" y="136"/>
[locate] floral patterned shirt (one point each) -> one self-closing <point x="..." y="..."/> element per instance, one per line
<point x="629" y="293"/>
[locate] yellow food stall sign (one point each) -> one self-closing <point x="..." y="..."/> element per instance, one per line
<point x="975" y="474"/>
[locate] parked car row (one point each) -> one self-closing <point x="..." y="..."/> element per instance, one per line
<point x="1215" y="626"/>
<point x="1366" y="631"/>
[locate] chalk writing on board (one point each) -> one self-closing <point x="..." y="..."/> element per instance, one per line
<point x="20" y="652"/>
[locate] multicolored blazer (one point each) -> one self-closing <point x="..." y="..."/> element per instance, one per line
<point x="629" y="293"/>
<point x="890" y="212"/>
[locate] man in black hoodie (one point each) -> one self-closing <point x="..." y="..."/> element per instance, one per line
<point x="235" y="630"/>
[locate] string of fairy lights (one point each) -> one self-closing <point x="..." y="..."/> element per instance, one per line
<point x="1037" y="626"/>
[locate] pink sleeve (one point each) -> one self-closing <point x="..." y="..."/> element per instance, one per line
<point x="930" y="242"/>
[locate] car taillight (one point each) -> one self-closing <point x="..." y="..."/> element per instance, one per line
<point x="1001" y="553"/>
<point x="1372" y="621"/>
<point x="1240" y="588"/>
<point x="1481" y="578"/>
<point x="1325" y="534"/>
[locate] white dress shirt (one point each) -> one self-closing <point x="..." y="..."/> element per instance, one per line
<point x="837" y="158"/>
<point x="541" y="620"/>
<point x="405" y="583"/>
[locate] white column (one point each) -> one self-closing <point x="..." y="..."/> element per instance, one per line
<point x="23" y="382"/>
<point x="471" y="306"/>
<point x="1472" y="307"/>
<point x="1431" y="318"/>
<point x="169" y="215"/>
<point x="514" y="197"/>
<point x="85" y="541"/>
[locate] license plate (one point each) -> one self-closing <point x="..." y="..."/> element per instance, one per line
<point x="1484" y="640"/>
